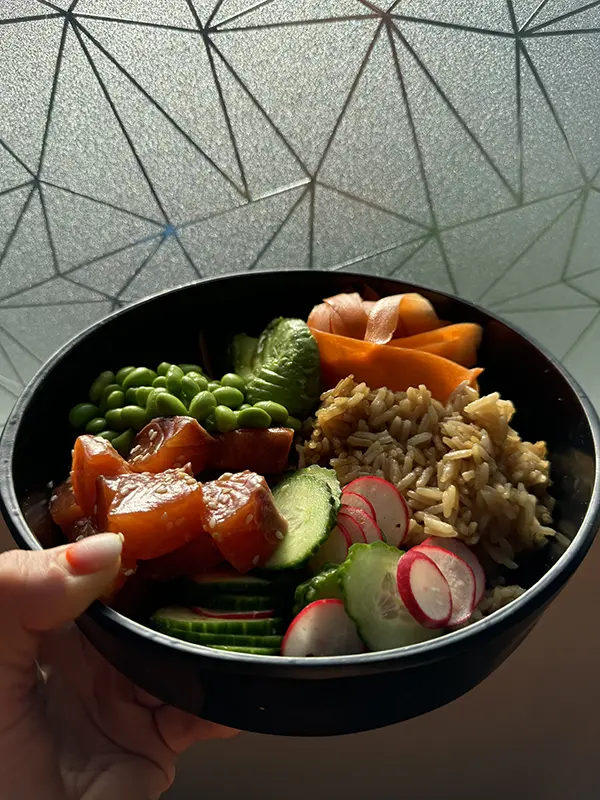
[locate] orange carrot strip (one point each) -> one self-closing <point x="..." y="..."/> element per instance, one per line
<point x="457" y="342"/>
<point x="349" y="307"/>
<point x="394" y="367"/>
<point x="417" y="315"/>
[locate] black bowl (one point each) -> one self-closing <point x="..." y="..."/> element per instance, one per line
<point x="284" y="695"/>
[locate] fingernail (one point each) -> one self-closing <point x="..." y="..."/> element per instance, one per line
<point x="94" y="553"/>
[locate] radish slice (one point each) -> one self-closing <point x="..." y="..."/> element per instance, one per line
<point x="357" y="501"/>
<point x="322" y="629"/>
<point x="320" y="318"/>
<point x="461" y="581"/>
<point x="205" y="612"/>
<point x="424" y="590"/>
<point x="383" y="319"/>
<point x="351" y="528"/>
<point x="463" y="551"/>
<point x="334" y="550"/>
<point x="391" y="511"/>
<point x="370" y="529"/>
<point x="350" y="309"/>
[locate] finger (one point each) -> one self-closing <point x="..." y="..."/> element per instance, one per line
<point x="180" y="730"/>
<point x="41" y="591"/>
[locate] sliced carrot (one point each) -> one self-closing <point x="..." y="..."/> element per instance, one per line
<point x="458" y="342"/>
<point x="394" y="367"/>
<point x="264" y="451"/>
<point x="417" y="315"/>
<point x="171" y="442"/>
<point x="93" y="457"/>
<point x="349" y="316"/>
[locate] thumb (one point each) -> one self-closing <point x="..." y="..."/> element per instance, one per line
<point x="43" y="590"/>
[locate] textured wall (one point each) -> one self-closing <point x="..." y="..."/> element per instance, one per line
<point x="144" y="143"/>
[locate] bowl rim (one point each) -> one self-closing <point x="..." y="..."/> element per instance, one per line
<point x="439" y="648"/>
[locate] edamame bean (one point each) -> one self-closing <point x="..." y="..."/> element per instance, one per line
<point x="95" y="425"/>
<point x="123" y="442"/>
<point x="163" y="368"/>
<point x="141" y="395"/>
<point x="134" y="417"/>
<point x="115" y="399"/>
<point x="210" y="424"/>
<point x="293" y="423"/>
<point x="276" y="411"/>
<point x="189" y="389"/>
<point x="100" y="384"/>
<point x="131" y="395"/>
<point x="141" y="376"/>
<point x="231" y="379"/>
<point x="160" y="381"/>
<point x="123" y="373"/>
<point x="151" y="408"/>
<point x="114" y="419"/>
<point x="212" y="385"/>
<point x="173" y="378"/>
<point x="243" y="406"/>
<point x="82" y="413"/>
<point x="202" y="405"/>
<point x="185" y="368"/>
<point x="225" y="419"/>
<point x="168" y="405"/>
<point x="109" y="435"/>
<point x="199" y="379"/>
<point x="229" y="396"/>
<point x="108" y="390"/>
<point x="253" y="418"/>
<point x="196" y="375"/>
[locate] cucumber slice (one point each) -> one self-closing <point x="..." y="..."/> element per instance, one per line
<point x="175" y="619"/>
<point x="229" y="640"/>
<point x="331" y="479"/>
<point x="228" y="602"/>
<point x="320" y="587"/>
<point x="255" y="651"/>
<point x="370" y="589"/>
<point x="231" y="582"/>
<point x="306" y="501"/>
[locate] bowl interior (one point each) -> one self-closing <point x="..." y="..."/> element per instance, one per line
<point x="175" y="325"/>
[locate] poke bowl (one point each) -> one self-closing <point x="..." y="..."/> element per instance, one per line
<point x="345" y="500"/>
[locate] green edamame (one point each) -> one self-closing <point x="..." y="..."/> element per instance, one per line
<point x="123" y="373"/>
<point x="188" y="389"/>
<point x="108" y="435"/>
<point x="243" y="406"/>
<point x="186" y="368"/>
<point x="134" y="417"/>
<point x="225" y="419"/>
<point x="95" y="425"/>
<point x="202" y="406"/>
<point x="210" y="424"/>
<point x="229" y="396"/>
<point x="212" y="385"/>
<point x="173" y="378"/>
<point x="141" y="396"/>
<point x="168" y="405"/>
<point x="114" y="420"/>
<point x="131" y="395"/>
<point x="163" y="368"/>
<point x="108" y="390"/>
<point x="276" y="411"/>
<point x="161" y="381"/>
<point x="115" y="399"/>
<point x="293" y="423"/>
<point x="140" y="376"/>
<point x="99" y="385"/>
<point x="151" y="408"/>
<point x="253" y="418"/>
<point x="231" y="379"/>
<point x="82" y="413"/>
<point x="197" y="376"/>
<point x="123" y="442"/>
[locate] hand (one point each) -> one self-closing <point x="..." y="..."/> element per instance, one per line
<point x="76" y="729"/>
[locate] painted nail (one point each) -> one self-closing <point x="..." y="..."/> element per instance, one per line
<point x="94" y="553"/>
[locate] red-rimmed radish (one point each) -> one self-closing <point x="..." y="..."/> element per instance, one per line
<point x="213" y="614"/>
<point x="391" y="511"/>
<point x="370" y="529"/>
<point x="352" y="528"/>
<point x="334" y="550"/>
<point x="461" y="581"/>
<point x="355" y="500"/>
<point x="463" y="551"/>
<point x="424" y="590"/>
<point x="322" y="629"/>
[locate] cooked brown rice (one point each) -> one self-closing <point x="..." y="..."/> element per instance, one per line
<point x="463" y="470"/>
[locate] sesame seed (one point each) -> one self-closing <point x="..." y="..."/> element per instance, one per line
<point x="79" y="538"/>
<point x="225" y="476"/>
<point x="54" y="498"/>
<point x="129" y="572"/>
<point x="161" y="490"/>
<point x="255" y="560"/>
<point x="212" y="524"/>
<point x="136" y="450"/>
<point x="50" y="485"/>
<point x="279" y="534"/>
<point x="249" y="519"/>
<point x="212" y="505"/>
